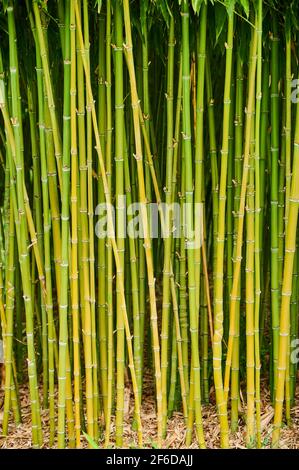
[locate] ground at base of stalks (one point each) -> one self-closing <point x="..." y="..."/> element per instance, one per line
<point x="20" y="436"/>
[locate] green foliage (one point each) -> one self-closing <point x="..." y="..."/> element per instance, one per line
<point x="196" y="4"/>
<point x="164" y="9"/>
<point x="43" y="4"/>
<point x="292" y="15"/>
<point x="220" y="20"/>
<point x="230" y="6"/>
<point x="143" y="15"/>
<point x="245" y="6"/>
<point x="98" y="4"/>
<point x="5" y="5"/>
<point x="90" y="441"/>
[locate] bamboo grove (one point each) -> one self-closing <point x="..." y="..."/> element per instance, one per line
<point x="123" y="104"/>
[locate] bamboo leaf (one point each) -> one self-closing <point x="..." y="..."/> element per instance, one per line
<point x="230" y="6"/>
<point x="5" y="5"/>
<point x="91" y="441"/>
<point x="43" y="4"/>
<point x="98" y="3"/>
<point x="245" y="5"/>
<point x="292" y="16"/>
<point x="143" y="15"/>
<point x="196" y="4"/>
<point x="220" y="18"/>
<point x="165" y="10"/>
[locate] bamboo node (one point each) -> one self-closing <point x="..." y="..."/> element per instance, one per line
<point x="286" y="294"/>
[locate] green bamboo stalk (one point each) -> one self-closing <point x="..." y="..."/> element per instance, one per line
<point x="199" y="159"/>
<point x="145" y="89"/>
<point x="74" y="275"/>
<point x="239" y="242"/>
<point x="47" y="251"/>
<point x="291" y="368"/>
<point x="37" y="212"/>
<point x="290" y="373"/>
<point x="213" y="153"/>
<point x="179" y="255"/>
<point x="288" y="123"/>
<point x="134" y="277"/>
<point x="263" y="186"/>
<point x="218" y="288"/>
<point x="101" y="241"/>
<point x="49" y="87"/>
<point x="91" y="255"/>
<point x="63" y="301"/>
<point x="193" y="311"/>
<point x="9" y="313"/>
<point x="294" y="327"/>
<point x="204" y="327"/>
<point x="229" y="221"/>
<point x="109" y="259"/>
<point x="235" y="396"/>
<point x="119" y="193"/>
<point x="290" y="247"/>
<point x="257" y="220"/>
<point x="250" y="297"/>
<point x="168" y="239"/>
<point x="142" y="197"/>
<point x="274" y="195"/>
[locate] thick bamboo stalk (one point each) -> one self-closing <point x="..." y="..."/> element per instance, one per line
<point x="290" y="247"/>
<point x="145" y="227"/>
<point x="218" y="288"/>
